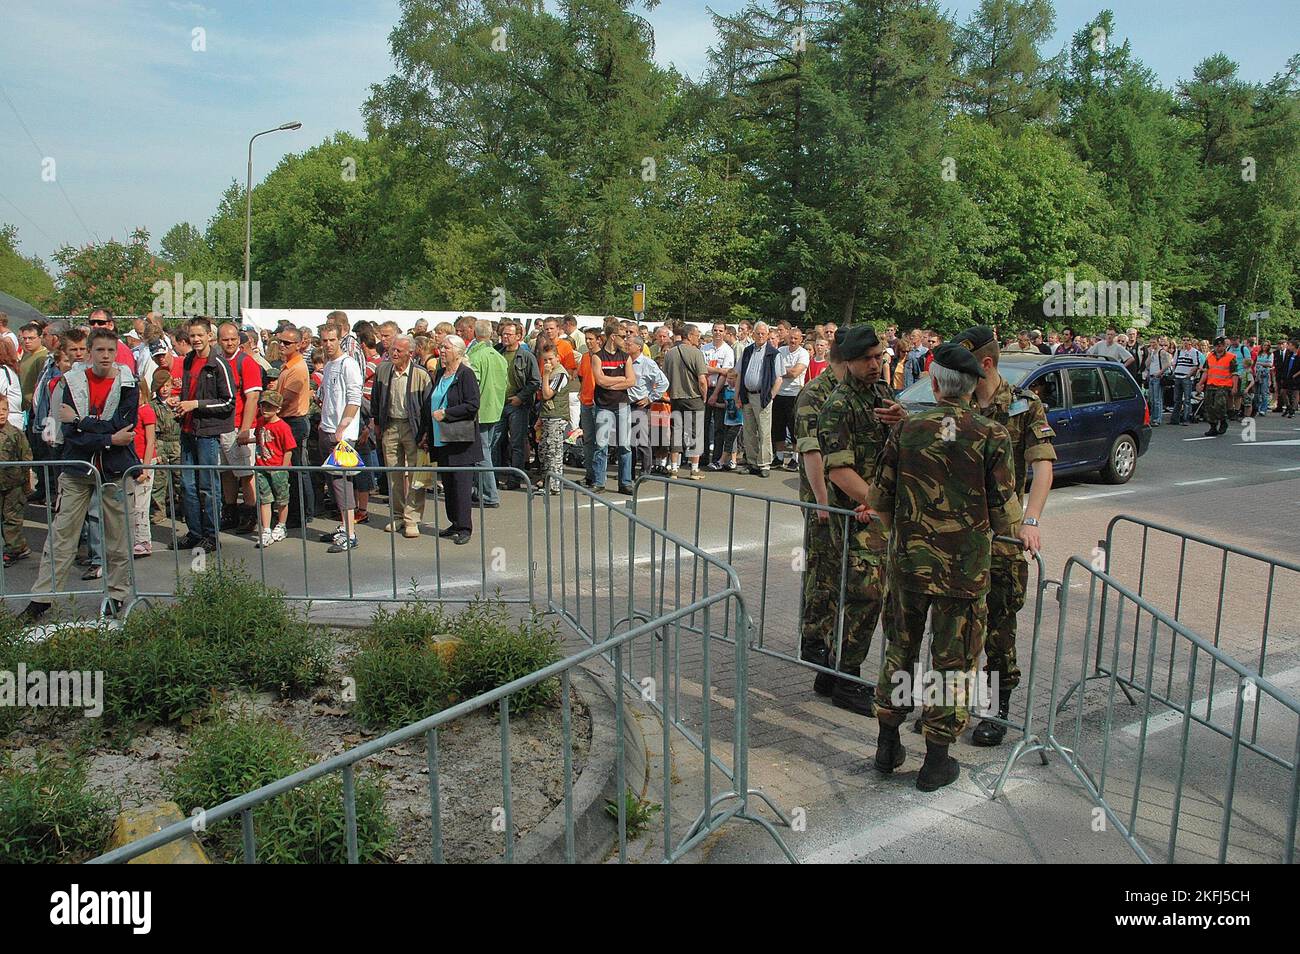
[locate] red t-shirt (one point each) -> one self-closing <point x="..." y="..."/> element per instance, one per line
<point x="247" y="376"/>
<point x="275" y="441"/>
<point x="125" y="358"/>
<point x="816" y="367"/>
<point x="178" y="368"/>
<point x="187" y="422"/>
<point x="99" y="388"/>
<point x="144" y="417"/>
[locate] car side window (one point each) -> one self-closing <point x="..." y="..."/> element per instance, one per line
<point x="1085" y="387"/>
<point x="1121" y="385"/>
<point x="1048" y="389"/>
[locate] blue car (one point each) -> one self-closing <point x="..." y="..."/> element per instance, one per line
<point x="1099" y="413"/>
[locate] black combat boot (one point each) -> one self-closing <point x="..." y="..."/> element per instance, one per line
<point x="889" y="749"/>
<point x="992" y="733"/>
<point x="824" y="684"/>
<point x="854" y="696"/>
<point x="939" y="769"/>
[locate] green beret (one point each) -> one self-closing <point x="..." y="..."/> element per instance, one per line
<point x="855" y="340"/>
<point x="955" y="357"/>
<point x="972" y="339"/>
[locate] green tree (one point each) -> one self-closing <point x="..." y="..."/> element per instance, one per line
<point x="1001" y="74"/>
<point x="111" y="274"/>
<point x="21" y="276"/>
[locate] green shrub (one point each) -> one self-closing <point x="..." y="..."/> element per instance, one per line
<point x="400" y="679"/>
<point x="493" y="655"/>
<point x="233" y="755"/>
<point x="148" y="677"/>
<point x="265" y="644"/>
<point x="398" y="684"/>
<point x="47" y="815"/>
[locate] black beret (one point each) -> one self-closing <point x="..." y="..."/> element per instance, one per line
<point x="955" y="357"/>
<point x="972" y="339"/>
<point x="1220" y="340"/>
<point x="855" y="340"/>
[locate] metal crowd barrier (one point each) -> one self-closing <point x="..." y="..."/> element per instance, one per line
<point x="483" y="578"/>
<point x="614" y="561"/>
<point x="616" y="569"/>
<point x="1199" y="601"/>
<point x="51" y="471"/>
<point x="1146" y="789"/>
<point x="688" y="508"/>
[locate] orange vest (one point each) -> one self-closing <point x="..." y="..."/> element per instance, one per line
<point x="1218" y="370"/>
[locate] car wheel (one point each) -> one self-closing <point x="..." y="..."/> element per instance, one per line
<point x="1122" y="462"/>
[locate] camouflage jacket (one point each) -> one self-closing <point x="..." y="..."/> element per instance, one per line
<point x="1024" y="416"/>
<point x="13" y="447"/>
<point x="850" y="436"/>
<point x="948" y="481"/>
<point x="167" y="430"/>
<point x="806" y="410"/>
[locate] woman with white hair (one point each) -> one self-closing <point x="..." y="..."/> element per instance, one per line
<point x="450" y="431"/>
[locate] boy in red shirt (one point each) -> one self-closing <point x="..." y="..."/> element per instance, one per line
<point x="274" y="442"/>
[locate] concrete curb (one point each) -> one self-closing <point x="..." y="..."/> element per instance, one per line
<point x="594" y="833"/>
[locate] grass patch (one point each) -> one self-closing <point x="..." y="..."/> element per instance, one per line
<point x="47" y="815"/>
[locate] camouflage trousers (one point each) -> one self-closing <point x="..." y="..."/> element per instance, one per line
<point x="12" y="502"/>
<point x="1217" y="402"/>
<point x="821" y="587"/>
<point x="166" y="481"/>
<point x="956" y="639"/>
<point x="1008" y="579"/>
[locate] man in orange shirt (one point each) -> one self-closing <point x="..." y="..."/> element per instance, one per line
<point x="295" y="395"/>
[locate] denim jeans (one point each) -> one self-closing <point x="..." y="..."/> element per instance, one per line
<point x="613" y="427"/>
<point x="514" y="422"/>
<point x="1183" y="388"/>
<point x="486" y="484"/>
<point x="1156" y="398"/>
<point x="302" y="498"/>
<point x="202" y="518"/>
<point x="1261" y="395"/>
<point x="587" y="421"/>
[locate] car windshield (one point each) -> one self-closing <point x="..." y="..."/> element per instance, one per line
<point x="919" y="392"/>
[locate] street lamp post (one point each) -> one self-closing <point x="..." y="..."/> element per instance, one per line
<point x="248" y="211"/>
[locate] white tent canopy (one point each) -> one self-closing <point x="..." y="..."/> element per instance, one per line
<point x="269" y="318"/>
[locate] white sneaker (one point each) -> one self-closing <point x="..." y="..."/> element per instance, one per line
<point x="279" y="533"/>
<point x="266" y="539"/>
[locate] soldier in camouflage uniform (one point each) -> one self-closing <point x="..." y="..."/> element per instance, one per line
<point x="821" y="575"/>
<point x="167" y="441"/>
<point x="1025" y="418"/>
<point x="946" y="485"/>
<point x="851" y="430"/>
<point x="13" y="486"/>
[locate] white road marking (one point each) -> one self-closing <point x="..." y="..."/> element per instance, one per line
<point x="1109" y="493"/>
<point x="1293" y="443"/>
<point x="933" y="811"/>
<point x="1227" y="699"/>
<point x="1284" y="470"/>
<point x="1186" y="439"/>
<point x="1192" y="483"/>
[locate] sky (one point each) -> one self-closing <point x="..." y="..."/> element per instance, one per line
<point x="146" y="129"/>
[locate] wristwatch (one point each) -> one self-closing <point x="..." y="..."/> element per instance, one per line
<point x="1031" y="521"/>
